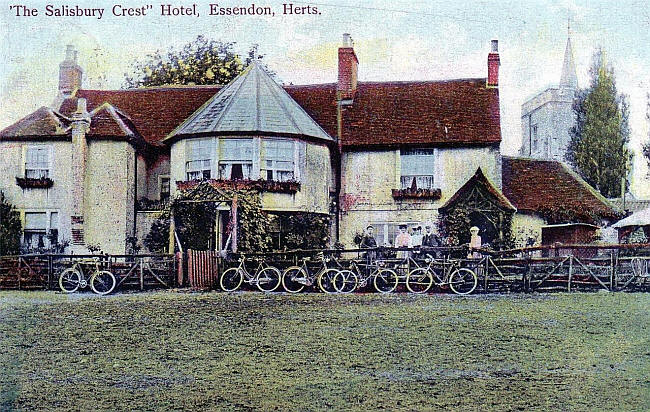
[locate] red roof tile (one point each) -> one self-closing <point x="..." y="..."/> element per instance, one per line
<point x="106" y="122"/>
<point x="441" y="112"/>
<point x="384" y="113"/>
<point x="155" y="112"/>
<point x="44" y="122"/>
<point x="538" y="185"/>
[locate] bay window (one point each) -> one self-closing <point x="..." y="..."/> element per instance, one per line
<point x="279" y="159"/>
<point x="417" y="167"/>
<point x="199" y="159"/>
<point x="236" y="159"/>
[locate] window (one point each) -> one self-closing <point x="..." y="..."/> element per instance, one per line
<point x="278" y="159"/>
<point x="385" y="233"/>
<point x="37" y="162"/>
<point x="199" y="159"/>
<point x="534" y="137"/>
<point x="41" y="229"/>
<point x="417" y="168"/>
<point x="164" y="187"/>
<point x="236" y="160"/>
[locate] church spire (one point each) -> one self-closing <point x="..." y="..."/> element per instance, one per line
<point x="569" y="78"/>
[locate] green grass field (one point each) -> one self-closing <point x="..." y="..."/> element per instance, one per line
<point x="213" y="351"/>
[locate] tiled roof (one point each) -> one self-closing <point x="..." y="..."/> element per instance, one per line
<point x="44" y="122"/>
<point x="382" y="113"/>
<point x="106" y="121"/>
<point x="537" y="185"/>
<point x="253" y="103"/>
<point x="441" y="112"/>
<point x="155" y="112"/>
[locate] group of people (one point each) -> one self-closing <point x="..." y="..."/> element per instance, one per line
<point x="417" y="239"/>
<point x="405" y="239"/>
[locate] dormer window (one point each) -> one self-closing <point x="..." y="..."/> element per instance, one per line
<point x="236" y="159"/>
<point x="38" y="160"/>
<point x="199" y="159"/>
<point x="279" y="159"/>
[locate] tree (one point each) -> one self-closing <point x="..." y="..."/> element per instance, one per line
<point x="10" y="228"/>
<point x="201" y="61"/>
<point x="599" y="141"/>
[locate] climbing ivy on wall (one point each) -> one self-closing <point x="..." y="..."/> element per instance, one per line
<point x="455" y="224"/>
<point x="195" y="211"/>
<point x="304" y="230"/>
<point x="157" y="240"/>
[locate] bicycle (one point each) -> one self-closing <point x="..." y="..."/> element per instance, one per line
<point x="265" y="277"/>
<point x="462" y="281"/>
<point x="102" y="282"/>
<point x="296" y="278"/>
<point x="384" y="280"/>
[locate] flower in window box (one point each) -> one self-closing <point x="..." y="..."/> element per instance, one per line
<point x="34" y="183"/>
<point x="411" y="193"/>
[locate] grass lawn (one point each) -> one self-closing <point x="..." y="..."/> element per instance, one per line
<point x="213" y="351"/>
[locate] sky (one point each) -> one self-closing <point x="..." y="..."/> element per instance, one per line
<point x="394" y="40"/>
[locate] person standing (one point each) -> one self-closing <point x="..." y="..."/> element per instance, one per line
<point x="416" y="238"/>
<point x="368" y="241"/>
<point x="403" y="239"/>
<point x="431" y="239"/>
<point x="474" y="243"/>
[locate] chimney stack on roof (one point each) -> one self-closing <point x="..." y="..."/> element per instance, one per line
<point x="69" y="72"/>
<point x="493" y="65"/>
<point x="348" y="67"/>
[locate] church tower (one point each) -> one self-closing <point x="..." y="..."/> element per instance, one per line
<point x="547" y="117"/>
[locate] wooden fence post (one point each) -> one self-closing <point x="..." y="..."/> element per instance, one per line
<point x="570" y="273"/>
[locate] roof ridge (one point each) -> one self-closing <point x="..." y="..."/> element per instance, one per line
<point x="593" y="190"/>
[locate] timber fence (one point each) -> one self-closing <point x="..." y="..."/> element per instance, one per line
<point x="545" y="268"/>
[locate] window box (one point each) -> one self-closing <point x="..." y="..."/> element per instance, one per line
<point x="290" y="186"/>
<point x="433" y="194"/>
<point x="33" y="183"/>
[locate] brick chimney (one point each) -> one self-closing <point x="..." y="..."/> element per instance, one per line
<point x="493" y="65"/>
<point x="69" y="72"/>
<point x="348" y="66"/>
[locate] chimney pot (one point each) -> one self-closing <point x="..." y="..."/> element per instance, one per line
<point x="347" y="40"/>
<point x="495" y="46"/>
<point x="69" y="52"/>
<point x="70" y="73"/>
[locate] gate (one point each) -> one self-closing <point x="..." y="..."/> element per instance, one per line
<point x="202" y="269"/>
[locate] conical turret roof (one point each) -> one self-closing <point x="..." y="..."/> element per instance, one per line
<point x="253" y="103"/>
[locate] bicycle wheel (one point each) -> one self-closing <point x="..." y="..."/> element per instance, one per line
<point x="463" y="281"/>
<point x="69" y="280"/>
<point x="268" y="279"/>
<point x="231" y="279"/>
<point x="385" y="280"/>
<point x="294" y="279"/>
<point x="102" y="282"/>
<point x="346" y="281"/>
<point x="326" y="280"/>
<point x="419" y="280"/>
